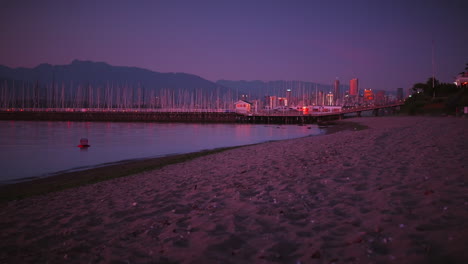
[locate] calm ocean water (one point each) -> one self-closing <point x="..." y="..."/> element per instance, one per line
<point x="37" y="149"/>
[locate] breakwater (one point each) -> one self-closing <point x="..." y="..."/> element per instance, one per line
<point x="191" y="117"/>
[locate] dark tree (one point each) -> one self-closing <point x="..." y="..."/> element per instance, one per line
<point x="429" y="82"/>
<point x="419" y="87"/>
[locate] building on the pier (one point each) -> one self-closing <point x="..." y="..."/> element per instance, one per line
<point x="243" y="107"/>
<point x="256" y="105"/>
<point x="273" y="102"/>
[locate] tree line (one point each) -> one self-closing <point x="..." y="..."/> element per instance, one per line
<point x="434" y="96"/>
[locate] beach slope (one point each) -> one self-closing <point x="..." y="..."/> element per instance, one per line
<point x="396" y="192"/>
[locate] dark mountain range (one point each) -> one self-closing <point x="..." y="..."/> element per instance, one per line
<point x="87" y="84"/>
<point x="100" y="73"/>
<point x="98" y="84"/>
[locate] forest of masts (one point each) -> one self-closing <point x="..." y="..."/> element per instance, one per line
<point x="33" y="95"/>
<point x="112" y="96"/>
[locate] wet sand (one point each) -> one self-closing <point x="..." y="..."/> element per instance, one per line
<point x="394" y="193"/>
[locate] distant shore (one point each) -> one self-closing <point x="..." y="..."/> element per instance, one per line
<point x="392" y="193"/>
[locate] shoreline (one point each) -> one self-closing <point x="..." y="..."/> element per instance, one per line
<point x="67" y="180"/>
<point x="392" y="193"/>
<point x="71" y="179"/>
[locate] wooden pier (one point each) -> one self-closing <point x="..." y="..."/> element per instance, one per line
<point x="134" y="115"/>
<point x="191" y="117"/>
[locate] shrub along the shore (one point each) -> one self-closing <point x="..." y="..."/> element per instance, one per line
<point x="444" y="98"/>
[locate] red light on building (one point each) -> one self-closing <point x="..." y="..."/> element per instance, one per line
<point x="368" y="94"/>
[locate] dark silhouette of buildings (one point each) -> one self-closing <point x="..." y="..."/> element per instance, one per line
<point x="399" y="94"/>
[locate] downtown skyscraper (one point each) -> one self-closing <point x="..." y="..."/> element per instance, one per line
<point x="336" y="90"/>
<point x="353" y="87"/>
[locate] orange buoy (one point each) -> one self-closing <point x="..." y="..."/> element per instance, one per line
<point x="84" y="143"/>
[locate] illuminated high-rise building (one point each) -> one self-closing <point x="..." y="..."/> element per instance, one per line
<point x="321" y="98"/>
<point x="368" y="95"/>
<point x="329" y="99"/>
<point x="271" y="102"/>
<point x="282" y="101"/>
<point x="336" y="89"/>
<point x="288" y="97"/>
<point x="353" y="87"/>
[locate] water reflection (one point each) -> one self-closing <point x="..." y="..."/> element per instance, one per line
<point x="32" y="149"/>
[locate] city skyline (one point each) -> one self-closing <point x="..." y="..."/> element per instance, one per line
<point x="387" y="45"/>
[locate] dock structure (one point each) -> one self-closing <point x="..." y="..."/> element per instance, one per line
<point x="128" y="116"/>
<point x="191" y="117"/>
<point x="134" y="115"/>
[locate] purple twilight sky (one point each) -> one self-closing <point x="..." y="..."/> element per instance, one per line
<point x="386" y="44"/>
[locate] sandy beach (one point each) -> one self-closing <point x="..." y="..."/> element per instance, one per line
<point x="396" y="192"/>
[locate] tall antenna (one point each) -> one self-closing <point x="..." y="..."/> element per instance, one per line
<point x="433" y="71"/>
